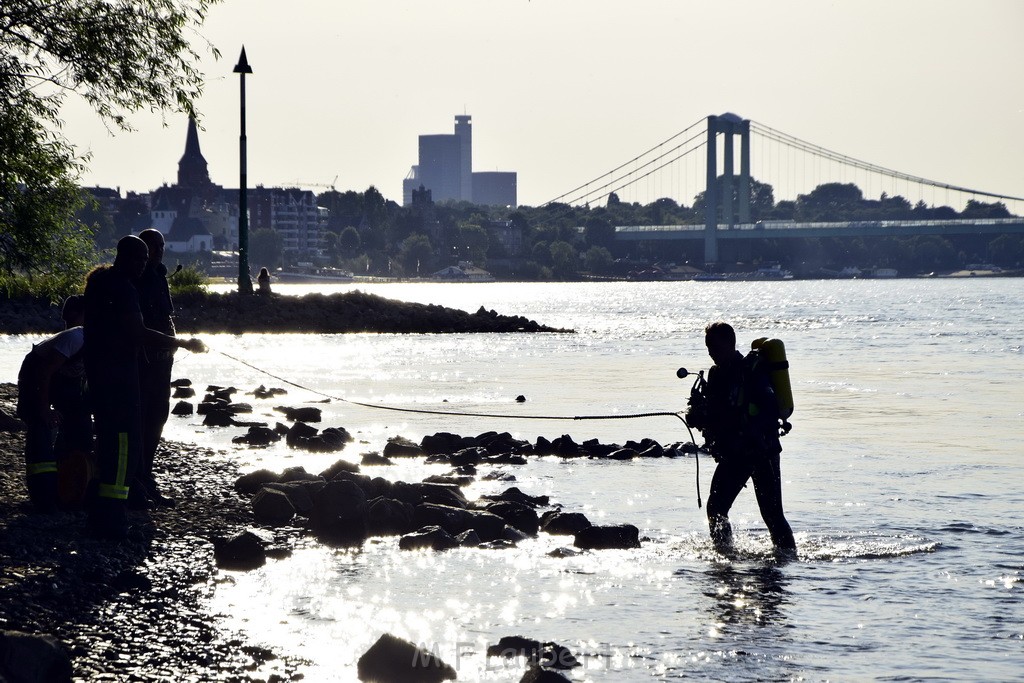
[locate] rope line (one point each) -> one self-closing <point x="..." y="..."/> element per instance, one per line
<point x="424" y="411"/>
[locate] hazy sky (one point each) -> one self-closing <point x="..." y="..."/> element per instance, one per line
<point x="562" y="91"/>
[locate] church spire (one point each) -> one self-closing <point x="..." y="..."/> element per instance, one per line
<point x="192" y="171"/>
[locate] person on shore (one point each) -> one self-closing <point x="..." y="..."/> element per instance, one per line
<point x="263" y="279"/>
<point x="741" y="425"/>
<point x="114" y="335"/>
<point x="155" y="365"/>
<point x="52" y="403"/>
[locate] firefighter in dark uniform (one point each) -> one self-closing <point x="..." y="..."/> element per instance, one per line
<point x="114" y="334"/>
<point x="741" y="425"/>
<point x="155" y="364"/>
<point x="52" y="401"/>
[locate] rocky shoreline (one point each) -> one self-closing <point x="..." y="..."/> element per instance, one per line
<point x="136" y="610"/>
<point x="139" y="610"/>
<point x="353" y="311"/>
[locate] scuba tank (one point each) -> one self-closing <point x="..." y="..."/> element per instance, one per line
<point x="774" y="352"/>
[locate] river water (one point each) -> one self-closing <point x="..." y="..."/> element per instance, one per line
<point x="902" y="479"/>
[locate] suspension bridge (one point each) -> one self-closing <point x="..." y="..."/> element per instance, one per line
<point x="688" y="163"/>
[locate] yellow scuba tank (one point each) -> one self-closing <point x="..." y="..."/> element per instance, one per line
<point x="774" y="351"/>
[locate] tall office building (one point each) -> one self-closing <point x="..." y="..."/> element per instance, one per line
<point x="445" y="168"/>
<point x="440" y="167"/>
<point x="464" y="132"/>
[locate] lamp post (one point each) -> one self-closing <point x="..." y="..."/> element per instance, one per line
<point x="244" y="279"/>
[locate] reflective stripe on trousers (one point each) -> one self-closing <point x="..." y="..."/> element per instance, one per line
<point x="119" y="489"/>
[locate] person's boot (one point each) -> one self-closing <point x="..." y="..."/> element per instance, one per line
<point x="42" y="491"/>
<point x="108" y="519"/>
<point x="138" y="497"/>
<point x="157" y="496"/>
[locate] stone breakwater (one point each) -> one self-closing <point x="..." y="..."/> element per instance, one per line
<point x="354" y="311"/>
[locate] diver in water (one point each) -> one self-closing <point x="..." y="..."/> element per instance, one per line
<point x="739" y="418"/>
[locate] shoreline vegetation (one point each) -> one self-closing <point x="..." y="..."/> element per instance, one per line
<point x="356" y="311"/>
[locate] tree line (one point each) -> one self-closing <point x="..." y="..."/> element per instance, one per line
<point x="368" y="234"/>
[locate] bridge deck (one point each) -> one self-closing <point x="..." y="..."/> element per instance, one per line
<point x="787" y="229"/>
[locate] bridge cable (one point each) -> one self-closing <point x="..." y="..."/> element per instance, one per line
<point x="621" y="166"/>
<point x="645" y="175"/>
<point x="817" y="150"/>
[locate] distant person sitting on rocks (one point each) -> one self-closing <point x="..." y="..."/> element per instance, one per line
<point x="114" y="335"/>
<point x="264" y="281"/>
<point x="52" y="402"/>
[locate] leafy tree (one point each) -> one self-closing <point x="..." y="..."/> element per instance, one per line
<point x="38" y="195"/>
<point x="829" y="202"/>
<point x="473" y="243"/>
<point x="1006" y="250"/>
<point x="349" y="242"/>
<point x="597" y="260"/>
<point x="599" y="232"/>
<point x="102" y="226"/>
<point x="132" y="216"/>
<point x="416" y="255"/>
<point x="976" y="209"/>
<point x="120" y="57"/>
<point x="564" y="260"/>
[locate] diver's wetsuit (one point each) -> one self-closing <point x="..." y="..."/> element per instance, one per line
<point x="743" y="429"/>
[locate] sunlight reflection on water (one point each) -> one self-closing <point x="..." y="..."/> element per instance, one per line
<point x="898" y="480"/>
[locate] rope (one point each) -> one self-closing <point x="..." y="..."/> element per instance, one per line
<point x="454" y="413"/>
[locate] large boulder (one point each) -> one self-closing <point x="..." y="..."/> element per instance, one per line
<point x="621" y="536"/>
<point x="456" y="520"/>
<point x="250" y="483"/>
<point x="441" y="494"/>
<point x="510" y="647"/>
<point x="431" y="538"/>
<point x="302" y="414"/>
<point x="564" y="523"/>
<point x="32" y="658"/>
<point x="538" y="674"/>
<point x="446" y="442"/>
<point x="504" y="442"/>
<point x="258" y="435"/>
<point x="400" y="447"/>
<point x="339" y="513"/>
<point x="516" y="496"/>
<point x="245" y="550"/>
<point x="182" y="409"/>
<point x="300" y="493"/>
<point x="522" y="517"/>
<point x="388" y="517"/>
<point x="339" y="466"/>
<point x="272" y="507"/>
<point x="393" y="660"/>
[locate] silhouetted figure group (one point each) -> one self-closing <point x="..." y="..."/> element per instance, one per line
<point x="125" y="345"/>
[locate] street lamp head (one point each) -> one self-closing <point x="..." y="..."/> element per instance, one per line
<point x="243" y="64"/>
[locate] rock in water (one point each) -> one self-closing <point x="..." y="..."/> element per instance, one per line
<point x="393" y="660"/>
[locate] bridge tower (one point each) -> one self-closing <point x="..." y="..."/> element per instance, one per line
<point x="727" y="125"/>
